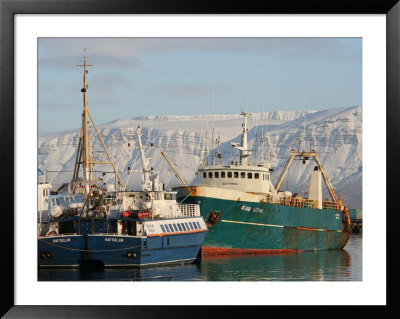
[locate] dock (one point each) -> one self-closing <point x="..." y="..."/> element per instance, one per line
<point x="356" y="220"/>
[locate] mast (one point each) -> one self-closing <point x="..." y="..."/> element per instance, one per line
<point x="84" y="154"/>
<point x="244" y="152"/>
<point x="146" y="183"/>
<point x="84" y="157"/>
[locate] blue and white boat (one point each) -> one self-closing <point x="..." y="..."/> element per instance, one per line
<point x="151" y="227"/>
<point x="89" y="225"/>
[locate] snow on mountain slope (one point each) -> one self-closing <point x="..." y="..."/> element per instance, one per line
<point x="335" y="134"/>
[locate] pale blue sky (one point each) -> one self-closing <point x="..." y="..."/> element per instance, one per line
<point x="153" y="76"/>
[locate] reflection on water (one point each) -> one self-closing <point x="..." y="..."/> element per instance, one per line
<point x="332" y="265"/>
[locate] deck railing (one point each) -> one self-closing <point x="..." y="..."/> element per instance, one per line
<point x="190" y="210"/>
<point x="301" y="202"/>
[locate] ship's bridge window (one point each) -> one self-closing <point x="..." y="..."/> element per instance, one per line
<point x="162" y="228"/>
<point x="183" y="226"/>
<point x="222" y="174"/>
<point x="229" y="174"/>
<point x="256" y="175"/>
<point x="180" y="228"/>
<point x="249" y="175"/>
<point x="167" y="196"/>
<point x="236" y="174"/>
<point x="242" y="175"/>
<point x="216" y="174"/>
<point x="198" y="224"/>
<point x="209" y="174"/>
<point x="176" y="228"/>
<point x="204" y="175"/>
<point x="167" y="228"/>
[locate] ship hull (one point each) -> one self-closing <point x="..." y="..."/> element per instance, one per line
<point x="239" y="223"/>
<point x="132" y="251"/>
<point x="64" y="251"/>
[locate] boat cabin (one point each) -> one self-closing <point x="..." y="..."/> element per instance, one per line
<point x="254" y="179"/>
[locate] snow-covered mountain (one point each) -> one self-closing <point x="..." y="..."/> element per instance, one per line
<point x="336" y="135"/>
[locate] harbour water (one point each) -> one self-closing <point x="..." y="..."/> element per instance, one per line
<point x="333" y="265"/>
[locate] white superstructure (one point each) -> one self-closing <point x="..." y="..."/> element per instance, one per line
<point x="239" y="175"/>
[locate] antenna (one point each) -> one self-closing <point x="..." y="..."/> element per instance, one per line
<point x="219" y="155"/>
<point x="212" y="135"/>
<point x="262" y="127"/>
<point x="206" y="148"/>
<point x="255" y="143"/>
<point x="305" y="113"/>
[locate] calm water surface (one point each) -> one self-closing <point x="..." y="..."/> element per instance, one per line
<point x="334" y="265"/>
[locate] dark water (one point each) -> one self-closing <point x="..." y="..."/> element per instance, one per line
<point x="334" y="265"/>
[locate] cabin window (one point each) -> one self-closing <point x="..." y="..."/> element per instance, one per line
<point x="194" y="225"/>
<point x="222" y="174"/>
<point x="44" y="192"/>
<point x="170" y="227"/>
<point x="167" y="228"/>
<point x="183" y="226"/>
<point x="189" y="227"/>
<point x="176" y="228"/>
<point x="198" y="224"/>
<point x="180" y="228"/>
<point x="256" y="175"/>
<point x="209" y="174"/>
<point x="204" y="175"/>
<point x="167" y="196"/>
<point x="236" y="174"/>
<point x="229" y="174"/>
<point x="267" y="177"/>
<point x="162" y="228"/>
<point x="249" y="175"/>
<point x="216" y="174"/>
<point x="242" y="175"/>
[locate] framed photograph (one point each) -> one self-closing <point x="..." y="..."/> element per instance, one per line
<point x="37" y="36"/>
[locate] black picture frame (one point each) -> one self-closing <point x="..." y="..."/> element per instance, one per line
<point x="8" y="10"/>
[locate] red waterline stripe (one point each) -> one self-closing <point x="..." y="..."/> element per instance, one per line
<point x="207" y="251"/>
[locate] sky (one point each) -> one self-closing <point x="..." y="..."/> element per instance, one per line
<point x="132" y="77"/>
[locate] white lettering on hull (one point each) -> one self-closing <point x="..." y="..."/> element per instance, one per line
<point x="114" y="240"/>
<point x="61" y="240"/>
<point x="252" y="209"/>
